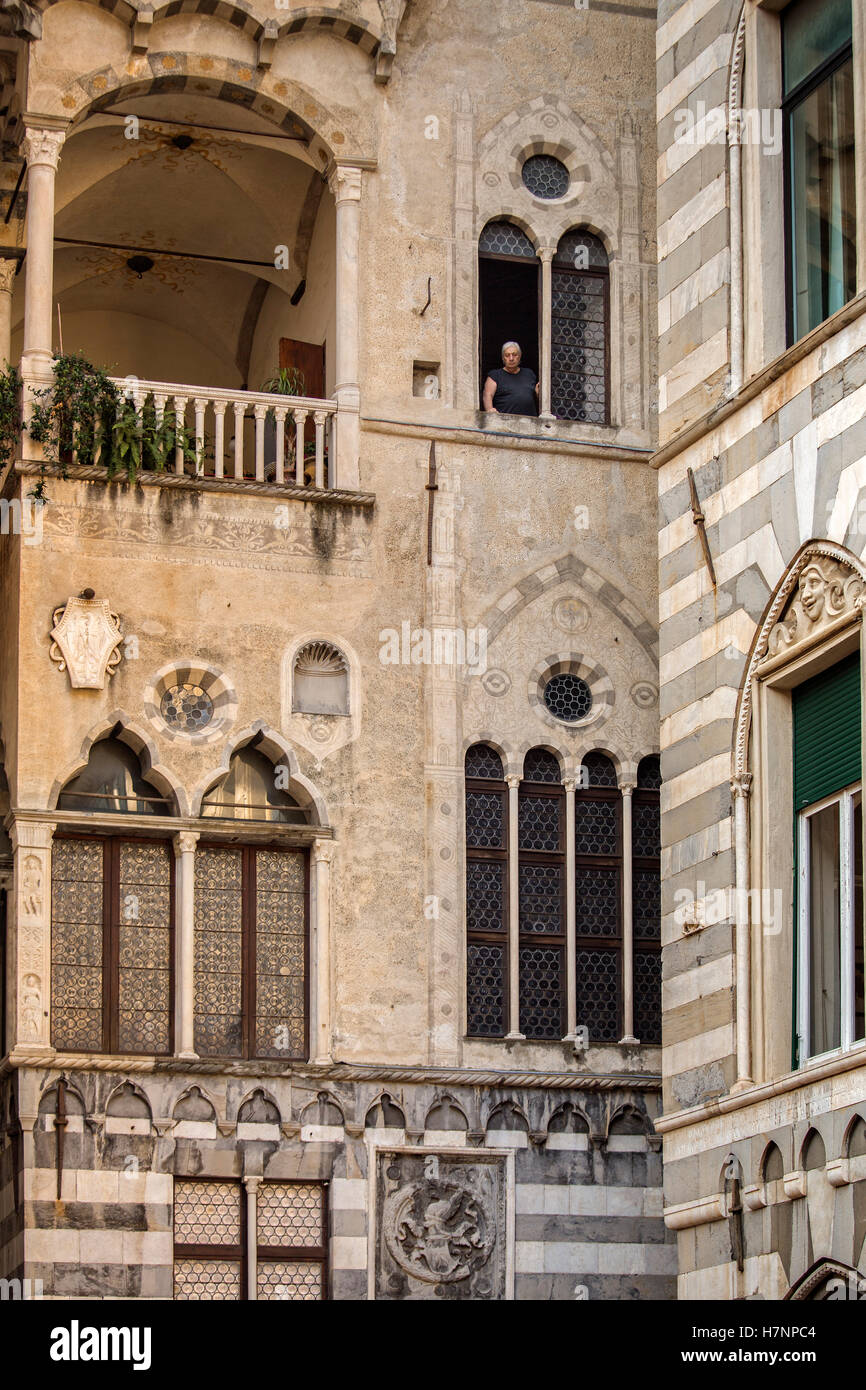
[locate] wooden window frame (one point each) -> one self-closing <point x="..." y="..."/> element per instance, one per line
<point x="239" y="1253"/>
<point x="614" y="942"/>
<point x="492" y="786"/>
<point x="111" y="842"/>
<point x="248" y="945"/>
<point x="525" y="939"/>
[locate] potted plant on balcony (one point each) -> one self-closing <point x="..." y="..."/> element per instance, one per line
<point x="287" y="381"/>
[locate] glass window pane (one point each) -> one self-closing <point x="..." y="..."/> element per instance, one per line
<point x="250" y="791"/>
<point x="812" y="31"/>
<point x="218" y="952"/>
<point x="824" y="931"/>
<point x="144" y="943"/>
<point x="822" y="211"/>
<point x="859" y="1010"/>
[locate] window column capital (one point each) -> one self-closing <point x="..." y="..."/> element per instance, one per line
<point x="513" y="780"/>
<point x="185" y="842"/>
<point x="43" y="141"/>
<point x="741" y="785"/>
<point x="344" y="182"/>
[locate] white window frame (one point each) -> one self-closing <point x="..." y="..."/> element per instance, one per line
<point x="848" y="927"/>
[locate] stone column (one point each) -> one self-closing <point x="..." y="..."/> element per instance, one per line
<point x="741" y="787"/>
<point x="7" y="280"/>
<point x="184" y="848"/>
<point x="546" y="345"/>
<point x="627" y="919"/>
<point x="345" y="185"/>
<point x="514" y="1032"/>
<point x="570" y="785"/>
<point x="252" y="1188"/>
<point x="320" y="1036"/>
<point x="29" y="934"/>
<point x="42" y="144"/>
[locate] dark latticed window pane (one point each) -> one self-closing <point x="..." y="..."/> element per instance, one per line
<point x="485" y="990"/>
<point x="648" y="996"/>
<point x="540" y="887"/>
<point x="144" y="947"/>
<point x="578" y="355"/>
<point x="504" y="239"/>
<point x="76" y="944"/>
<point x="647" y="904"/>
<point x="598" y="993"/>
<point x="540" y="765"/>
<point x="580" y="251"/>
<point x="597" y="902"/>
<point x="539" y="823"/>
<point x="484" y="820"/>
<point x="541" y="992"/>
<point x="596" y="827"/>
<point x="280" y="954"/>
<point x="645" y="830"/>
<point x="568" y="697"/>
<point x="485" y="895"/>
<point x="600" y="770"/>
<point x="545" y="176"/>
<point x="483" y="761"/>
<point x="649" y="774"/>
<point x="218" y="952"/>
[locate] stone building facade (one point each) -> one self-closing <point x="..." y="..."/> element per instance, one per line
<point x="330" y="746"/>
<point x="762" y="385"/>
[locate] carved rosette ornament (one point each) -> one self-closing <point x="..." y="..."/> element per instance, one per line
<point x="85" y="641"/>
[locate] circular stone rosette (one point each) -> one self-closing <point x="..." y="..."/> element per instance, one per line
<point x="191" y="702"/>
<point x="438" y="1232"/>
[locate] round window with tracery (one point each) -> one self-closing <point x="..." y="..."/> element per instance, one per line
<point x="186" y="708"/>
<point x="545" y="176"/>
<point x="568" y="698"/>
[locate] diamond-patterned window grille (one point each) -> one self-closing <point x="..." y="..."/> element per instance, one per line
<point x="486" y="894"/>
<point x="505" y="239"/>
<point x="580" y="329"/>
<point x="250" y="921"/>
<point x="210" y="1252"/>
<point x="111" y="990"/>
<point x="545" y="176"/>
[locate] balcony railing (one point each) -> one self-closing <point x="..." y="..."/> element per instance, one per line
<point x="286" y="440"/>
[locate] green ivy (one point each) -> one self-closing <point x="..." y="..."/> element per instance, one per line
<point x="10" y="413"/>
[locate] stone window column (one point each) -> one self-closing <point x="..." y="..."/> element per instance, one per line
<point x="42" y="145"/>
<point x="320" y="1032"/>
<point x="570" y="785"/>
<point x="184" y="848"/>
<point x="7" y="280"/>
<point x="252" y="1188"/>
<point x="628" y="1036"/>
<point x="29" y="935"/>
<point x="741" y="788"/>
<point x="345" y="185"/>
<point x="514" y="1033"/>
<point x="546" y="355"/>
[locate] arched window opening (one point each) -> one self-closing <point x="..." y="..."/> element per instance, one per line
<point x="486" y="893"/>
<point x="112" y="782"/>
<point x="646" y="901"/>
<point x="320" y="680"/>
<point x="253" y="789"/>
<point x="580" y="327"/>
<point x="541" y="879"/>
<point x="598" y="926"/>
<point x="509" y="286"/>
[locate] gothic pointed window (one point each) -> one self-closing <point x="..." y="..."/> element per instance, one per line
<point x="486" y="893"/>
<point x="580" y="320"/>
<point x="112" y="782"/>
<point x="253" y="789"/>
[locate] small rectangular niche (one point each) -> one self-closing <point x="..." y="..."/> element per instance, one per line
<point x="426" y="380"/>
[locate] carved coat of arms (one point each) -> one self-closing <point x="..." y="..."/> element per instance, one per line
<point x="85" y="641"/>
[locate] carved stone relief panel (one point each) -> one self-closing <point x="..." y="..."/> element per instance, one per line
<point x="825" y="591"/>
<point x="440" y="1226"/>
<point x="85" y="641"/>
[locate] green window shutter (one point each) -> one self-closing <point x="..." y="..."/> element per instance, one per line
<point x="827" y="732"/>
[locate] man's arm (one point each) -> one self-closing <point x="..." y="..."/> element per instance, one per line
<point x="489" y="393"/>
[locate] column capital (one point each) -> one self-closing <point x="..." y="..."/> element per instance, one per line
<point x="8" y="267"/>
<point x="185" y="842"/>
<point x="344" y="182"/>
<point x="570" y="784"/>
<point x="31" y="834"/>
<point x="627" y="786"/>
<point x="42" y="144"/>
<point x="741" y="785"/>
<point x="546" y="254"/>
<point x="323" y="851"/>
<point x="513" y="780"/>
<point x="251" y="1184"/>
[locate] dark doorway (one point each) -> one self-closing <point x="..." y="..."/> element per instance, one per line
<point x="509" y="309"/>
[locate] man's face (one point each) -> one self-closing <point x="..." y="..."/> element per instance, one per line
<point x="511" y="359"/>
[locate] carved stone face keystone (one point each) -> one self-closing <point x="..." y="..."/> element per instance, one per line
<point x="812" y="583"/>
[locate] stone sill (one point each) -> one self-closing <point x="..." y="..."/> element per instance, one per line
<point x="527" y="433"/>
<point x="247" y="487"/>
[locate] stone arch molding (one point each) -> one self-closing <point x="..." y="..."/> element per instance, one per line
<point x="142" y="743"/>
<point x="823" y="583"/>
<point x="280" y="751"/>
<point x="547" y="125"/>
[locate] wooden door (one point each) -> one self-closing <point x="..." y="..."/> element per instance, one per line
<point x="308" y="358"/>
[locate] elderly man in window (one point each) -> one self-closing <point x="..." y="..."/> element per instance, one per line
<point x="514" y="388"/>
